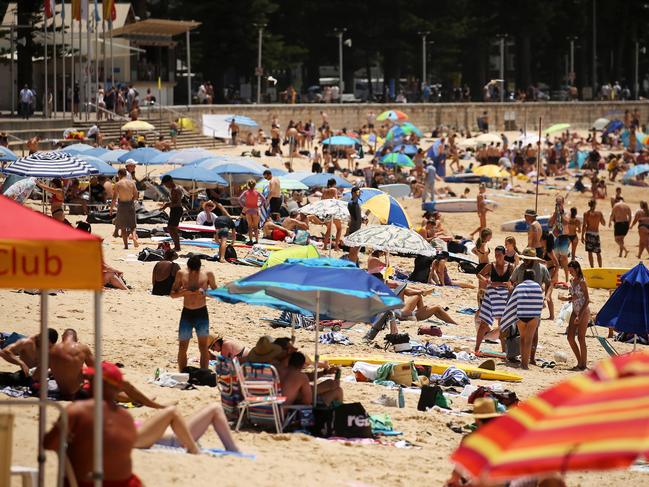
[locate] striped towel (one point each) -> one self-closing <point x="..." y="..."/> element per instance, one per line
<point x="493" y="304"/>
<point x="264" y="211"/>
<point x="525" y="302"/>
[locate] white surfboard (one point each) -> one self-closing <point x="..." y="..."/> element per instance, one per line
<point x="193" y="227"/>
<point x="456" y="205"/>
<point x="396" y="190"/>
<point x="522" y="226"/>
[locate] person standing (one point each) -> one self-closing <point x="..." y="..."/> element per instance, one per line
<point x="481" y="209"/>
<point x="251" y="200"/>
<point x="429" y="182"/>
<point x="175" y="205"/>
<point x="274" y="192"/>
<point x="578" y="322"/>
<point x="642" y="219"/>
<point x="355" y="221"/>
<point x="534" y="232"/>
<point x="558" y="223"/>
<point x="329" y="193"/>
<point x="125" y="194"/>
<point x="26" y="97"/>
<point x="233" y="129"/>
<point x="56" y="200"/>
<point x="590" y="232"/>
<point x="191" y="285"/>
<point x="621" y="219"/>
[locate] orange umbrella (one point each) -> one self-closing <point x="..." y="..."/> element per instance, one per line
<point x="598" y="420"/>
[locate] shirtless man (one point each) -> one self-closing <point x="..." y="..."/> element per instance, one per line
<point x="175" y="205"/>
<point x="191" y="285"/>
<point x="274" y="230"/>
<point x="534" y="233"/>
<point x="274" y="192"/>
<point x="296" y="386"/>
<point x="108" y="189"/>
<point x="126" y="194"/>
<point x="621" y="218"/>
<point x="119" y="435"/>
<point x="26" y="354"/>
<point x="590" y="232"/>
<point x="296" y="221"/>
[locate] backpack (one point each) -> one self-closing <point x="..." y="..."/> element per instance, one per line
<point x="150" y="255"/>
<point x="431" y="396"/>
<point x="230" y="253"/>
<point x="201" y="377"/>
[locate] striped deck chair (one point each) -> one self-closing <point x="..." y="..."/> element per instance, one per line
<point x="228" y="384"/>
<point x="261" y="399"/>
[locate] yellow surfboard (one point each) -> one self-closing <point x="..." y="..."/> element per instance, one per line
<point x="436" y="367"/>
<point x="604" y="278"/>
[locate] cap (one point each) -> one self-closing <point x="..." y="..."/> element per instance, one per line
<point x="530" y="213"/>
<point x="110" y="372"/>
<point x="131" y="162"/>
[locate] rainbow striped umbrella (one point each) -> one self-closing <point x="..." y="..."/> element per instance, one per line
<point x="393" y="115"/>
<point x="597" y="420"/>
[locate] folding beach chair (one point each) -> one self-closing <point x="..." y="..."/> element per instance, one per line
<point x="228" y="385"/>
<point x="260" y="391"/>
<point x="604" y="343"/>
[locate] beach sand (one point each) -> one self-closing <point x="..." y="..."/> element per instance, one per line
<point x="140" y="331"/>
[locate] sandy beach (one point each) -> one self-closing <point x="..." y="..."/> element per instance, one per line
<point x="140" y="331"/>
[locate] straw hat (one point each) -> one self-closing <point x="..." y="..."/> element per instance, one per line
<point x="529" y="254"/>
<point x="265" y="351"/>
<point x="485" y="408"/>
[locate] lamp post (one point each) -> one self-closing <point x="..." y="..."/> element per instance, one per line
<point x="572" y="40"/>
<point x="502" y="38"/>
<point x="423" y="57"/>
<point x="636" y="85"/>
<point x="340" y="32"/>
<point x="259" y="71"/>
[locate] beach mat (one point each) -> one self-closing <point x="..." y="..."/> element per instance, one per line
<point x="213" y="452"/>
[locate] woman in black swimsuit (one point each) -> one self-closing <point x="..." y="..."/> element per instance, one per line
<point x="552" y="263"/>
<point x="164" y="274"/>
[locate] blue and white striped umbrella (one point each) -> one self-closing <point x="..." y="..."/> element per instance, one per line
<point x="50" y="164"/>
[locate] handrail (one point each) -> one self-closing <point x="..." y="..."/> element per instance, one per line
<point x="109" y="112"/>
<point x="198" y="123"/>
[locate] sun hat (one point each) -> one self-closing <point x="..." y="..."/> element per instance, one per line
<point x="212" y="339"/>
<point x="485" y="408"/>
<point x="529" y="254"/>
<point x="110" y="373"/>
<point x="530" y="212"/>
<point x="131" y="162"/>
<point x="264" y="351"/>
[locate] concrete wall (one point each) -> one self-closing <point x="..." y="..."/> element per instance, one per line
<point x="460" y="115"/>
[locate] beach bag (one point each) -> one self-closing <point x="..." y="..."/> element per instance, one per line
<point x="468" y="267"/>
<point x="513" y="346"/>
<point x="150" y="255"/>
<point x="402" y="374"/>
<point x="431" y="396"/>
<point x="230" y="253"/>
<point x="201" y="377"/>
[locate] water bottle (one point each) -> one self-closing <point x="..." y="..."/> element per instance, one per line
<point x="402" y="400"/>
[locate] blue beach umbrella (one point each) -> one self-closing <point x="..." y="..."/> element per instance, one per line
<point x="76" y="148"/>
<point x="408" y="149"/>
<point x="313" y="180"/>
<point x="102" y="167"/>
<point x="383" y="206"/>
<point x="182" y="156"/>
<point x="635" y="171"/>
<point x="141" y="155"/>
<point x="196" y="173"/>
<point x="340" y="140"/>
<point x="112" y="156"/>
<point x="242" y="120"/>
<point x="7" y="155"/>
<point x="327" y="287"/>
<point x="260" y="298"/>
<point x="364" y="194"/>
<point x="96" y="152"/>
<point x="627" y="309"/>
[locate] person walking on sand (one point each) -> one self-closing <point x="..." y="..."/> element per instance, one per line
<point x="274" y="192"/>
<point x="534" y="232"/>
<point x="642" y="219"/>
<point x="621" y="219"/>
<point x="191" y="285"/>
<point x="175" y="205"/>
<point x="251" y="200"/>
<point x="578" y="322"/>
<point x="590" y="232"/>
<point x="573" y="229"/>
<point x="233" y="129"/>
<point x="482" y="209"/>
<point x="529" y="298"/>
<point x="125" y="194"/>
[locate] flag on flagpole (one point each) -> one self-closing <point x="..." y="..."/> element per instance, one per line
<point x="76" y="9"/>
<point x="109" y="11"/>
<point x="50" y="8"/>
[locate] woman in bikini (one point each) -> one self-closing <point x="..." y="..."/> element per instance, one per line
<point x="331" y="193"/>
<point x="439" y="273"/>
<point x="56" y="200"/>
<point x="251" y="200"/>
<point x="642" y="219"/>
<point x="375" y="265"/>
<point x="573" y="228"/>
<point x="552" y="263"/>
<point x="482" y="251"/>
<point x="511" y="251"/>
<point x="580" y="316"/>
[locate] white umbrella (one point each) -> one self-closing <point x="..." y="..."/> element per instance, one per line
<point x="488" y="139"/>
<point x="391" y="239"/>
<point x="51" y="164"/>
<point x="528" y="139"/>
<point x="327" y="210"/>
<point x="601" y="123"/>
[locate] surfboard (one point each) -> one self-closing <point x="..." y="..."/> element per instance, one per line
<point x="466" y="178"/>
<point x="604" y="277"/>
<point x="456" y="205"/>
<point x="192" y="227"/>
<point x="396" y="190"/>
<point x="522" y="226"/>
<point x="436" y="367"/>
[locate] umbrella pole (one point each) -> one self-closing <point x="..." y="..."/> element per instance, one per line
<point x="98" y="393"/>
<point x="538" y="167"/>
<point x="315" y="363"/>
<point x="42" y="419"/>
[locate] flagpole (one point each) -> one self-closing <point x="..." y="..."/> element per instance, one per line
<point x="54" y="58"/>
<point x="64" y="55"/>
<point x="96" y="55"/>
<point x="45" y="113"/>
<point x="112" y="59"/>
<point x="82" y="93"/>
<point x="103" y="51"/>
<point x="72" y="63"/>
<point x="88" y="62"/>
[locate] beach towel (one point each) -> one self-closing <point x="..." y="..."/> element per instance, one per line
<point x="493" y="304"/>
<point x="526" y="301"/>
<point x="452" y="377"/>
<point x="335" y="338"/>
<point x="213" y="452"/>
<point x="467" y="311"/>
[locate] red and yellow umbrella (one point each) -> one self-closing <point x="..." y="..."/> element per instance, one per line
<point x="593" y="421"/>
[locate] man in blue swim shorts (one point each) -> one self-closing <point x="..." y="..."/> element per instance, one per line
<point x="191" y="285"/>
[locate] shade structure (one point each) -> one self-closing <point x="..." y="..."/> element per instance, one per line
<point x="296" y="252"/>
<point x="141" y="155"/>
<point x="76" y="148"/>
<point x="388" y="210"/>
<point x="112" y="156"/>
<point x="557" y="127"/>
<point x="313" y="180"/>
<point x="286" y="184"/>
<point x="138" y="126"/>
<point x="7" y="155"/>
<point x="393" y="115"/>
<point x="327" y="209"/>
<point x="391" y="239"/>
<point x="403" y="130"/>
<point x="635" y="171"/>
<point x="198" y="174"/>
<point x="50" y="164"/>
<point x="397" y="159"/>
<point x="38" y="252"/>
<point x="233" y="165"/>
<point x="593" y="421"/>
<point x="242" y="120"/>
<point x="627" y="309"/>
<point x="601" y="123"/>
<point x="613" y="125"/>
<point x="341" y="141"/>
<point x="491" y="171"/>
<point x="103" y="168"/>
